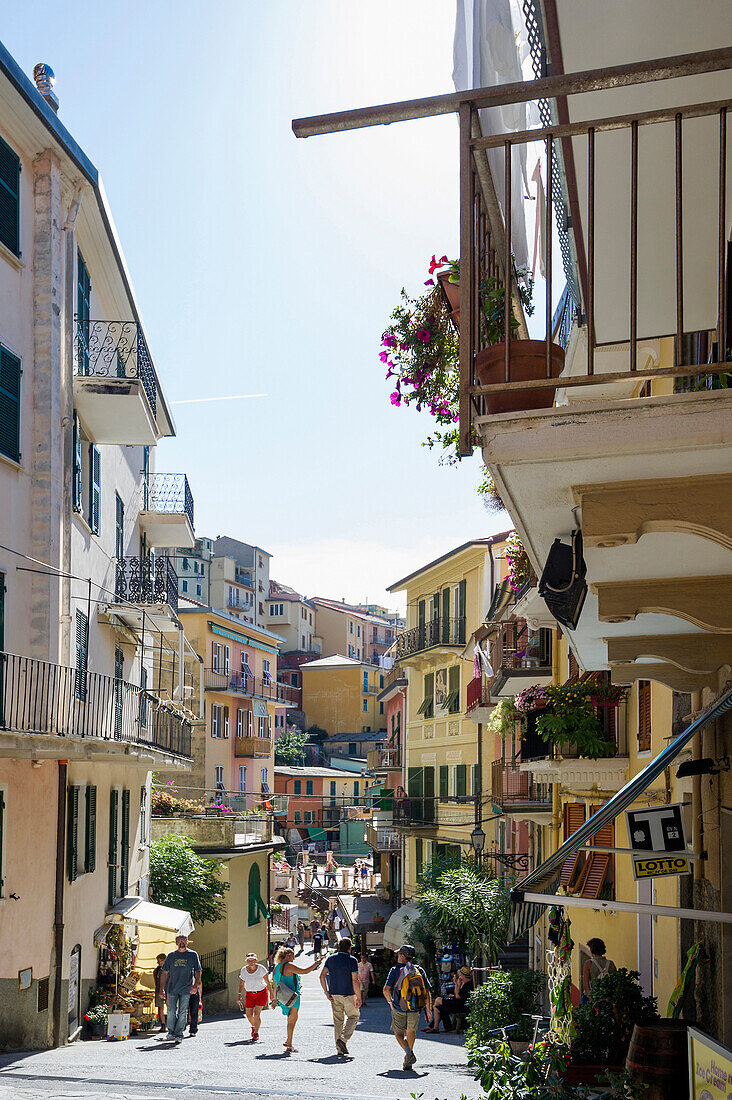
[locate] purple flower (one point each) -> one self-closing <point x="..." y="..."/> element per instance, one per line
<point x="403" y="347"/>
<point x="429" y="282"/>
<point x="383" y="356"/>
<point x="389" y="341"/>
<point x="389" y="373"/>
<point x="395" y="398"/>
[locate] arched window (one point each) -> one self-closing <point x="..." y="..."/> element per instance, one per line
<point x="255" y="902"/>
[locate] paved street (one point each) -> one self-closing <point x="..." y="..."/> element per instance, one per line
<point x="221" y="1061"/>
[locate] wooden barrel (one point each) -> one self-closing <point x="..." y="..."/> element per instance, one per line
<point x="658" y="1056"/>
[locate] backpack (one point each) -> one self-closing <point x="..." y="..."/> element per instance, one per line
<point x="412" y="992"/>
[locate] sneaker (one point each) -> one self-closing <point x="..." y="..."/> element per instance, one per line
<point x="255" y="1036"/>
<point x="192" y="1034"/>
<point x="409" y="1059"/>
<point x="341" y="1046"/>
<point x="177" y="1042"/>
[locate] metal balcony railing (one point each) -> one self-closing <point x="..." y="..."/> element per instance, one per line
<point x="534" y="747"/>
<point x="239" y="605"/>
<point x="478" y="694"/>
<point x="415" y="811"/>
<point x="147" y="580"/>
<point x="383" y="839"/>
<point x="40" y="697"/>
<point x="511" y="786"/>
<point x="436" y="632"/>
<point x="114" y="349"/>
<point x="167" y="493"/>
<point x="218" y="680"/>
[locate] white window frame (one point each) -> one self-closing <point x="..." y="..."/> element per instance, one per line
<point x="216" y="720"/>
<point x="242" y="779"/>
<point x="225" y="713"/>
<point x="260" y="726"/>
<point x="219" y="777"/>
<point x="227" y="659"/>
<point x="264" y="776"/>
<point x="266" y="674"/>
<point x="216" y="654"/>
<point x="269" y="724"/>
<point x="143" y="816"/>
<point x="240" y="721"/>
<point x="250" y="723"/>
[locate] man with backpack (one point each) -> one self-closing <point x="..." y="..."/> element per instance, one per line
<point x="407" y="992"/>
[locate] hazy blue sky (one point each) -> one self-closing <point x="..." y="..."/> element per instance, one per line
<point x="267" y="264"/>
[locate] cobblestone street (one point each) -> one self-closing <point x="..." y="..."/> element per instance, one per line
<point x="221" y="1061"/>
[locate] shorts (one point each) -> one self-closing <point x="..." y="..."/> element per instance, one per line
<point x="401" y="1021"/>
<point x="258" y="999"/>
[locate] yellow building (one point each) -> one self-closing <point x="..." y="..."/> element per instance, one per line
<point x="340" y="695"/>
<point x="446" y="603"/>
<point x="346" y="629"/>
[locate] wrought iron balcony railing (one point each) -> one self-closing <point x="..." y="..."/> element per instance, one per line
<point x="167" y="493"/>
<point x="511" y="786"/>
<point x="40" y="697"/>
<point x="436" y="632"/>
<point x="114" y="349"/>
<point x="415" y="811"/>
<point x="147" y="580"/>
<point x="535" y="747"/>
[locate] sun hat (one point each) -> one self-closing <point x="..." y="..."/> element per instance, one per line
<point x="465" y="971"/>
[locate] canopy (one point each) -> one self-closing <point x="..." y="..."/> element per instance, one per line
<point x="154" y="916"/>
<point x="545" y="878"/>
<point x="397" y="929"/>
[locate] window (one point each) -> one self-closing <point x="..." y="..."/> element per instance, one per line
<point x="227" y="659"/>
<point x="185" y="586"/>
<point x="202" y="569"/>
<point x="358" y="631"/>
<point x="350" y="628"/>
<point x="215" y="720"/>
<point x="72" y="833"/>
<point x="298" y="817"/>
<point x="185" y="564"/>
<point x="216" y="656"/>
<point x="644" y="715"/>
<point x="119" y="672"/>
<point x="355" y="790"/>
<point x="250" y="723"/>
<point x="124" y="870"/>
<point x="9" y="198"/>
<point x="309" y="817"/>
<point x="381" y="708"/>
<point x="82" y="650"/>
<point x="309" y="787"/>
<point x="444" y="781"/>
<point x="198" y="590"/>
<point x="83" y="311"/>
<point x="276" y="610"/>
<point x="352" y="747"/>
<point x="279" y="721"/>
<point x="112" y="860"/>
<point x="242" y="778"/>
<point x="297" y="785"/>
<point x="460" y="781"/>
<point x="240" y="722"/>
<point x="245" y="664"/>
<point x="365" y="706"/>
<point x="381" y="681"/>
<point x="119" y="527"/>
<point x="226" y="722"/>
<point x="9" y="399"/>
<point x="264" y="780"/>
<point x="262" y="727"/>
<point x="143" y="816"/>
<point x="418" y="855"/>
<point x="219" y="777"/>
<point x="266" y="676"/>
<point x="293" y="679"/>
<point x="365" y="681"/>
<point x="426" y="708"/>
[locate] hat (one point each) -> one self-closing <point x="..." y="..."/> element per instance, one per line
<point x="251" y="955"/>
<point x="465" y="971"/>
<point x="407" y="951"/>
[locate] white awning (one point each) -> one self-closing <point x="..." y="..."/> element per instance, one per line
<point x="155" y="916"/>
<point x="397" y="929"/>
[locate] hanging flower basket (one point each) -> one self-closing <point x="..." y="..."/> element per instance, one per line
<point x="530" y="699"/>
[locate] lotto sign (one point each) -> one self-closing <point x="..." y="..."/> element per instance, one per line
<point x="659" y="866"/>
<point x="710" y="1068"/>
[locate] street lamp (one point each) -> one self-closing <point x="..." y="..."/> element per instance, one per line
<point x="477" y="839"/>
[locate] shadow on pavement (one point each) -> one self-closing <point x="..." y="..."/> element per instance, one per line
<point x="401" y="1074"/>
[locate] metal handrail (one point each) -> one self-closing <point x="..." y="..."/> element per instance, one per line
<point x="434" y="632"/>
<point x="114" y="349"/>
<point x="168" y="494"/>
<point x="147" y="580"/>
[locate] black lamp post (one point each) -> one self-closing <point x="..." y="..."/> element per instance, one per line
<point x="477" y="840"/>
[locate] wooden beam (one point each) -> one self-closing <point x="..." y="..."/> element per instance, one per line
<point x="678" y="679"/>
<point x="692" y="652"/>
<point x="618" y="513"/>
<point x="704" y="601"/>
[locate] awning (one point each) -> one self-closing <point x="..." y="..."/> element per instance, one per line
<point x="397" y="930"/>
<point x="155" y="916"/>
<point x="259" y="707"/>
<point x="545" y="878"/>
<point x="502" y="597"/>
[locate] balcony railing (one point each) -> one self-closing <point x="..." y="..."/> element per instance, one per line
<point x="478" y="694"/>
<point x="450" y="632"/>
<point x="383" y="839"/>
<point x="252" y="746"/>
<point x="535" y="747"/>
<point x="394" y="674"/>
<point x="114" y="349"/>
<point x="218" y="680"/>
<point x="39" y="697"/>
<point x="509" y="786"/>
<point x="239" y="605"/>
<point x="147" y="580"/>
<point x="415" y="811"/>
<point x="167" y="493"/>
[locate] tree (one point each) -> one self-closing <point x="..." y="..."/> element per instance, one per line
<point x="185" y="880"/>
<point x="290" y="747"/>
<point x="465" y="905"/>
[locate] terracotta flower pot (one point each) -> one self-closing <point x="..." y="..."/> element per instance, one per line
<point x="452" y="293"/>
<point x="528" y="363"/>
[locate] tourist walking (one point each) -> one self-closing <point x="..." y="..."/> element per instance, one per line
<point x="317" y="945"/>
<point x="596" y="967"/>
<point x="255" y="983"/>
<point x="286" y="992"/>
<point x="356" y="875"/>
<point x="365" y="975"/>
<point x="181" y="976"/>
<point x="326" y="937"/>
<point x="159" y="995"/>
<point x="339" y="979"/>
<point x="301" y="935"/>
<point x="407" y="992"/>
<point x="330" y="871"/>
<point x="314" y="929"/>
<point x="365" y="876"/>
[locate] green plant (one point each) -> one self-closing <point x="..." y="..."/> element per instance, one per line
<point x="97" y="1014"/>
<point x="502" y="999"/>
<point x="572" y="718"/>
<point x="491" y="497"/>
<point x="503" y="719"/>
<point x="604" y="1025"/>
<point x="465" y="905"/>
<point x="185" y="880"/>
<point x="536" y="1074"/>
<point x="290" y="747"/>
<point x="519" y="566"/>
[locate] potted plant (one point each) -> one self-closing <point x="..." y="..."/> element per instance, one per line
<point x="571" y="718"/>
<point x="517" y="560"/>
<point x="604" y="1025"/>
<point x="530" y="699"/>
<point x="503" y="718"/>
<point x="96" y="1020"/>
<point x="604" y="694"/>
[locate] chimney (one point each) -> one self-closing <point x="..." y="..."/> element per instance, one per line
<point x="45" y="79"/>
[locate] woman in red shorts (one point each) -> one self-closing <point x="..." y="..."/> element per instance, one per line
<point x="254" y="978"/>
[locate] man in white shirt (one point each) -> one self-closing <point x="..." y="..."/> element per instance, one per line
<point x="255" y="979"/>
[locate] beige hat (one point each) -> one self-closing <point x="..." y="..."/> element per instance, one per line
<point x="465" y="971"/>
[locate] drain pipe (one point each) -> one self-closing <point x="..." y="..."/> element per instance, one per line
<point x="58" y="911"/>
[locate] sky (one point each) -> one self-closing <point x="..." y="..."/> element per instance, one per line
<point x="264" y="264"/>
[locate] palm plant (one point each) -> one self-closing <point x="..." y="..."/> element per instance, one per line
<point x="465" y="906"/>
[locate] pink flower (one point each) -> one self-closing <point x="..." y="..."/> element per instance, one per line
<point x="429" y="282"/>
<point x="395" y="398"/>
<point x="383" y="356"/>
<point x="389" y="373"/>
<point x="389" y="341"/>
<point x="437" y="263"/>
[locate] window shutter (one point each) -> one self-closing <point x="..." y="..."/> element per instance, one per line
<point x="239" y="722"/>
<point x="9" y="198"/>
<point x="82" y="645"/>
<point x="474" y="789"/>
<point x="444" y="781"/>
<point x="227" y="658"/>
<point x="125" y="853"/>
<point x="460" y="612"/>
<point x="119" y="669"/>
<point x="574" y="816"/>
<point x="9" y="405"/>
<point x="77" y="464"/>
<point x="95" y="488"/>
<point x="143" y="815"/>
<point x="460" y="777"/>
<point x="253" y="891"/>
<point x="419" y="854"/>
<point x="644" y="715"/>
<point x="2" y="834"/>
<point x="596" y="870"/>
<point x="226" y="721"/>
<point x="250" y="723"/>
<point x="72" y="836"/>
<point x="112" y="874"/>
<point x="454" y="689"/>
<point x="90" y="854"/>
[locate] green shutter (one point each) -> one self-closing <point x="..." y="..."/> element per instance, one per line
<point x="119" y="672"/>
<point x="253" y="891"/>
<point x="2" y="834"/>
<point x="444" y="781"/>
<point x="95" y="488"/>
<point x="460" y="778"/>
<point x="83" y="313"/>
<point x="453" y="689"/>
<point x="72" y="833"/>
<point x="419" y="855"/>
<point x="77" y="464"/>
<point x="143" y="697"/>
<point x="446" y="616"/>
<point x="429" y="782"/>
<point x="112" y="876"/>
<point x="125" y="853"/>
<point x="475" y="780"/>
<point x="9" y="405"/>
<point x="460" y="612"/>
<point x="9" y="198"/>
<point x="90" y="855"/>
<point x="82" y="650"/>
<point x="414" y="782"/>
<point x="421" y="614"/>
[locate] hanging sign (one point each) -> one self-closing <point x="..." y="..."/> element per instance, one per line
<point x="658" y="829"/>
<point x="710" y="1068"/>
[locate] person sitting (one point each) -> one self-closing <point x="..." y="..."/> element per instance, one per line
<point x="458" y="1003"/>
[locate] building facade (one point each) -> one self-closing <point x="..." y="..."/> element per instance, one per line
<point x="339" y="695"/>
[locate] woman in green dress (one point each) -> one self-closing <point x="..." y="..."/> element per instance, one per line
<point x="288" y="975"/>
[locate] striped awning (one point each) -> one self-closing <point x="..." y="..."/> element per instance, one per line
<point x="545" y="878"/>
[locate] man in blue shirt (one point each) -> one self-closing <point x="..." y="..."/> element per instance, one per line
<point x="181" y="976"/>
<point x="339" y="979"/>
<point x="404" y="1023"/>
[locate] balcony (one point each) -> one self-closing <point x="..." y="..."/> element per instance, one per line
<point x="115" y="388"/>
<point x="150" y="585"/>
<point x="166" y="510"/>
<point x="54" y="701"/>
<point x="252" y="746"/>
<point x="436" y="632"/>
<point x="238" y="682"/>
<point x="383" y="759"/>
<point x="520" y="657"/>
<point x="565" y="763"/>
<point x="516" y="791"/>
<point x="380" y="838"/>
<point x="234" y="603"/>
<point x="415" y="812"/>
